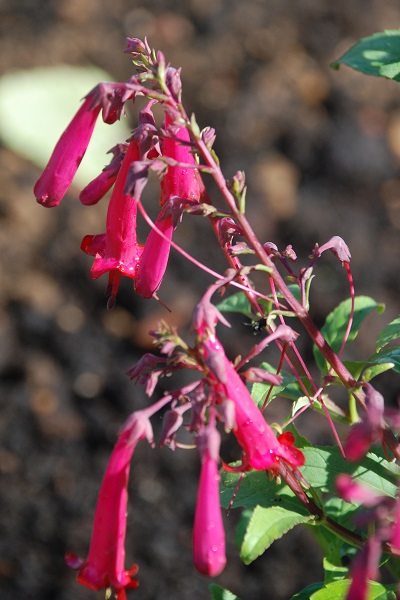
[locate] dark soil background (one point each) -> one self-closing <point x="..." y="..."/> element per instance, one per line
<point x="321" y="150"/>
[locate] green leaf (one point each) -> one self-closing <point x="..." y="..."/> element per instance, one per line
<point x="333" y="572"/>
<point x="324" y="464"/>
<point x="236" y="303"/>
<point x="390" y="356"/>
<point x="220" y="593"/>
<point x="294" y="289"/>
<point x="306" y="593"/>
<point x="37" y="105"/>
<point x="364" y="370"/>
<point x="388" y="334"/>
<point x="338" y="591"/>
<point x="336" y="323"/>
<point x="257" y="489"/>
<point x="378" y="55"/>
<point x="374" y="370"/>
<point x="265" y="526"/>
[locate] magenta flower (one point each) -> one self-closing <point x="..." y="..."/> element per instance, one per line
<point x="263" y="450"/>
<point x="117" y="251"/>
<point x="104" y="567"/>
<point x="395" y="532"/>
<point x="183" y="182"/>
<point x="55" y="180"/>
<point x="352" y="491"/>
<point x="154" y="258"/>
<point x="208" y="532"/>
<point x="67" y="155"/>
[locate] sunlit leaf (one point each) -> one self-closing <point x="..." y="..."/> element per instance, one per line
<point x="377" y="54"/>
<point x="265" y="526"/>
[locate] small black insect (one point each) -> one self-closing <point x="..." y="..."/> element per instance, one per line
<point x="257" y="325"/>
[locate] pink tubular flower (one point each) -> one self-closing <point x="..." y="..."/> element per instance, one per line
<point x="104" y="566"/>
<point x="117" y="251"/>
<point x="180" y="182"/>
<point x="154" y="258"/>
<point x="208" y="532"/>
<point x="262" y="448"/>
<point x="67" y="155"/>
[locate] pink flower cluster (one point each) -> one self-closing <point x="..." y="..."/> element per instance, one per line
<point x="219" y="395"/>
<point x="117" y="251"/>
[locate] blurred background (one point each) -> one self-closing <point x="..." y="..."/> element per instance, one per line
<point x="321" y="150"/>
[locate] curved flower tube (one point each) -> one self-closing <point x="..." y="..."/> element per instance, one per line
<point x="263" y="450"/>
<point x="183" y="182"/>
<point x="104" y="567"/>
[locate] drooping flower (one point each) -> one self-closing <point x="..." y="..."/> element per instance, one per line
<point x="154" y="258"/>
<point x="105" y="565"/>
<point x="208" y="532"/>
<point x="117" y="251"/>
<point x="67" y="155"/>
<point x="263" y="450"/>
<point x="180" y="182"/>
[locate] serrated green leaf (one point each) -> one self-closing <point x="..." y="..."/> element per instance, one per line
<point x="324" y="464"/>
<point x="378" y="55"/>
<point x="388" y="334"/>
<point x="265" y="526"/>
<point x="236" y="303"/>
<point x="220" y="593"/>
<point x="390" y="356"/>
<point x="241" y="527"/>
<point x="32" y="127"/>
<point x="336" y="323"/>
